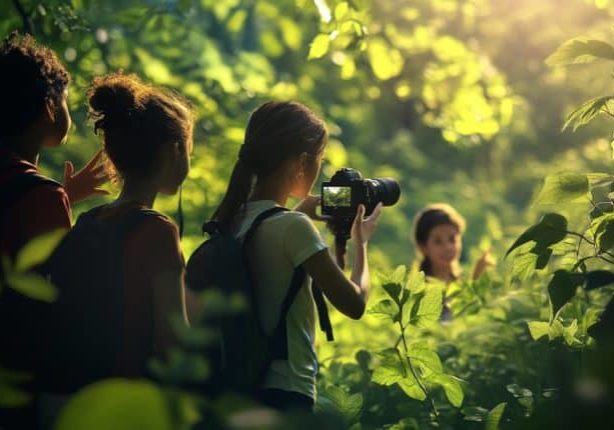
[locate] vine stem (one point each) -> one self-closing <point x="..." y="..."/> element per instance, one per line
<point x="415" y="373"/>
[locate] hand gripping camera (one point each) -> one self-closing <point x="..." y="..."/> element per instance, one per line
<point x="346" y="190"/>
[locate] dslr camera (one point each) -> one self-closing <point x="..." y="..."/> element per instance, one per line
<point x="346" y="190"/>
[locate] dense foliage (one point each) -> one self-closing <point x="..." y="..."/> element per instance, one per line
<point x="454" y="98"/>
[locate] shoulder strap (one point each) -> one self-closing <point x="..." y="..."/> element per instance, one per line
<point x="279" y="337"/>
<point x="21" y="184"/>
<point x="258" y="220"/>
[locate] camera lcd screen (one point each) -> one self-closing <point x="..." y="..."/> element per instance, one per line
<point x="337" y="196"/>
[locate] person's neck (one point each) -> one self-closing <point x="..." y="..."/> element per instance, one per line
<point x="443" y="273"/>
<point x="138" y="190"/>
<point x="270" y="189"/>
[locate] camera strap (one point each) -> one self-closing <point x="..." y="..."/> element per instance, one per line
<point x="325" y="324"/>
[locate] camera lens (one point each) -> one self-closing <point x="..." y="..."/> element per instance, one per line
<point x="387" y="191"/>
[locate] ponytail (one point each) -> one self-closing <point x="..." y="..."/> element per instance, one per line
<point x="276" y="132"/>
<point x="239" y="189"/>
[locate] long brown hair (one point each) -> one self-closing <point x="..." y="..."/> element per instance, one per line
<point x="276" y="132"/>
<point x="430" y="217"/>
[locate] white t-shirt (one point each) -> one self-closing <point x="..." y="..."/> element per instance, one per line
<point x="282" y="243"/>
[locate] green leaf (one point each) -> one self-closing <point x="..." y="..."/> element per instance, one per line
<point x="562" y="288"/>
<point x="569" y="332"/>
<point x="543" y="258"/>
<point x="386" y="308"/>
<point x="390" y="368"/>
<point x="410" y="386"/>
<point x="416" y="282"/>
<point x="425" y="358"/>
<point x="581" y="50"/>
<point x="451" y="387"/>
<point x="586" y="112"/>
<point x="386" y="61"/>
<point x="393" y="291"/>
<point x="564" y="188"/>
<point x="341" y="10"/>
<point x="551" y="229"/>
<point x="494" y="417"/>
<point x="538" y="329"/>
<point x="319" y="46"/>
<point x="429" y="308"/>
<point x="117" y="404"/>
<point x="10" y="395"/>
<point x="33" y="286"/>
<point x="347" y="405"/>
<point x="38" y="250"/>
<point x="598" y="278"/>
<point x="604" y="233"/>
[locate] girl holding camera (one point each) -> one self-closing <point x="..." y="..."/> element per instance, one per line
<point x="281" y="157"/>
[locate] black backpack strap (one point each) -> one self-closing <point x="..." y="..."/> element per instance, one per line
<point x="279" y="338"/>
<point x="258" y="220"/>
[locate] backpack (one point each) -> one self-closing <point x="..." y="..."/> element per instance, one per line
<point x="85" y="324"/>
<point x="243" y="352"/>
<point x="18" y="312"/>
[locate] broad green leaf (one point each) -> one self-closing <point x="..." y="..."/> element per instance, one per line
<point x="581" y="50"/>
<point x="117" y="404"/>
<point x="416" y="282"/>
<point x="451" y="387"/>
<point x="425" y="358"/>
<point x="410" y="386"/>
<point x="349" y="406"/>
<point x="569" y="332"/>
<point x="33" y="286"/>
<point x="12" y="397"/>
<point x="562" y="288"/>
<point x="386" y="61"/>
<point x="393" y="291"/>
<point x="524" y="264"/>
<point x="586" y="112"/>
<point x="398" y="276"/>
<point x="386" y="308"/>
<point x="319" y="46"/>
<point x="341" y="10"/>
<point x="429" y="309"/>
<point x="390" y="368"/>
<point x="551" y="229"/>
<point x="494" y="417"/>
<point x="543" y="258"/>
<point x="538" y="329"/>
<point x="598" y="278"/>
<point x="604" y="233"/>
<point x="10" y="394"/>
<point x="38" y="250"/>
<point x="564" y="188"/>
<point x="405" y="424"/>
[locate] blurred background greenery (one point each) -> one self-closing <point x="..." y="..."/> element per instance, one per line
<point x="451" y="97"/>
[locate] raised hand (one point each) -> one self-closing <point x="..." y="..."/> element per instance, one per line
<point x="85" y="183"/>
<point x="484" y="262"/>
<point x="363" y="228"/>
<point x="309" y="207"/>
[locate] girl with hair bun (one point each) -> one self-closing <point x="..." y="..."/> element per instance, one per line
<point x="437" y="232"/>
<point x="147" y="136"/>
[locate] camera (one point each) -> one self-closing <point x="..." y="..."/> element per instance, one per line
<point x="347" y="189"/>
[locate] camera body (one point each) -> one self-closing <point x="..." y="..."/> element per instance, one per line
<point x="347" y="189"/>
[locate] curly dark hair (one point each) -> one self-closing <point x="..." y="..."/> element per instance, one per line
<point x="30" y="74"/>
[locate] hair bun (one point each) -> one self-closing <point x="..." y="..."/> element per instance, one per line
<point x="114" y="97"/>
